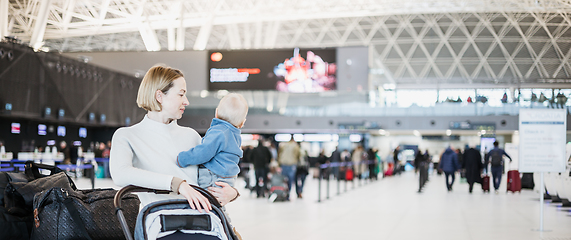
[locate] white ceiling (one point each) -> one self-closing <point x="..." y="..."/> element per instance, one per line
<point x="412" y="42"/>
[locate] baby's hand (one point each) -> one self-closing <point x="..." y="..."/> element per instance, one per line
<point x="224" y="194"/>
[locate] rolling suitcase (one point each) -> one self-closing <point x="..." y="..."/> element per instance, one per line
<point x="514" y="181"/>
<point x="486" y="183"/>
<point x="349" y="175"/>
<point x="527" y="181"/>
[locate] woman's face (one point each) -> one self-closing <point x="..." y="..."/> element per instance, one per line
<point x="174" y="101"/>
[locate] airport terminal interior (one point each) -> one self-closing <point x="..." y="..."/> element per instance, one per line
<point x="408" y="119"/>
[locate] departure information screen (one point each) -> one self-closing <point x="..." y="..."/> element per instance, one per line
<point x="288" y="70"/>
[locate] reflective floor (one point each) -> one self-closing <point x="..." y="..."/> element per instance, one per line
<point x="392" y="209"/>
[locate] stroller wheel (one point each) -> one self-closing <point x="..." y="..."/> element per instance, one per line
<point x="272" y="197"/>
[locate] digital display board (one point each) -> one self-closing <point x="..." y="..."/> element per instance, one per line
<point x="61" y="131"/>
<point x="42" y="129"/>
<point x="15" y="128"/>
<point x="288" y="70"/>
<point x="82" y="132"/>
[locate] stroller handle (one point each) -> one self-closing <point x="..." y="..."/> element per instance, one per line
<point x="133" y="189"/>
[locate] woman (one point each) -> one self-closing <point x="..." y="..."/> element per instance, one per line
<point x="145" y="153"/>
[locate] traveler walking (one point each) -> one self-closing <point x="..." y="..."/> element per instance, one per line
<point x="288" y="158"/>
<point x="473" y="167"/>
<point x="495" y="157"/>
<point x="261" y="157"/>
<point x="357" y="158"/>
<point x="301" y="173"/>
<point x="335" y="159"/>
<point x="449" y="165"/>
<point x="396" y="166"/>
<point x="372" y="158"/>
<point x="418" y="158"/>
<point x="421" y="165"/>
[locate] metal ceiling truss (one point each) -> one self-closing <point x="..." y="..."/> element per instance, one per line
<point x="487" y="48"/>
<point x="413" y="41"/>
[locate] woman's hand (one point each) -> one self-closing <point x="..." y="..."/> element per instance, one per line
<point x="225" y="194"/>
<point x="195" y="199"/>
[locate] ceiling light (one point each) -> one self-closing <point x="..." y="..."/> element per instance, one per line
<point x="203" y="93"/>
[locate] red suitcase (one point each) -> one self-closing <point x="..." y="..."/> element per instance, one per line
<point x="349" y="175"/>
<point x="514" y="181"/>
<point x="486" y="183"/>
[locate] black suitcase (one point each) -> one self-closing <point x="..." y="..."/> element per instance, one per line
<point x="527" y="181"/>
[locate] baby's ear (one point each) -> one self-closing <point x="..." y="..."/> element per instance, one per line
<point x="242" y="124"/>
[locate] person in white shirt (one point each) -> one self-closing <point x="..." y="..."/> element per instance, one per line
<point x="145" y="154"/>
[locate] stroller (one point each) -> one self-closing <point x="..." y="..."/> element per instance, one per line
<point x="279" y="190"/>
<point x="174" y="219"/>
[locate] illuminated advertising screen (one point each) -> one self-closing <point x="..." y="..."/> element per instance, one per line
<point x="287" y="70"/>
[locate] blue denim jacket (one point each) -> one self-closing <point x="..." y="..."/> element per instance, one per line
<point x="220" y="150"/>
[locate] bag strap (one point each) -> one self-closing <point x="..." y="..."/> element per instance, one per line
<point x="68" y="203"/>
<point x="32" y="170"/>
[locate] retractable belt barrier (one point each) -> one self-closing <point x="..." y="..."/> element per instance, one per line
<point x="325" y="173"/>
<point x="16" y="165"/>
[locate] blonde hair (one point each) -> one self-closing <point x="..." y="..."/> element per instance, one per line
<point x="233" y="108"/>
<point x="157" y="78"/>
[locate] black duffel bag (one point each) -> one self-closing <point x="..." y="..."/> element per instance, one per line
<point x="19" y="196"/>
<point x="16" y="197"/>
<point x="81" y="214"/>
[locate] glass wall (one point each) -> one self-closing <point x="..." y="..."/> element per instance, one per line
<point x="492" y="97"/>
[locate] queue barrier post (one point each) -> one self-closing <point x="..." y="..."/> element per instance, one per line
<point x="338" y="181"/>
<point x="319" y="187"/>
<point x="328" y="178"/>
<point x="345" y="177"/>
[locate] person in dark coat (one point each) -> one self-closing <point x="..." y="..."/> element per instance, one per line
<point x="420" y="166"/>
<point x="66" y="153"/>
<point x="418" y="158"/>
<point x="245" y="165"/>
<point x="396" y="160"/>
<point x="335" y="159"/>
<point x="372" y="158"/>
<point x="261" y="157"/>
<point x="322" y="159"/>
<point x="473" y="166"/>
<point x="449" y="165"/>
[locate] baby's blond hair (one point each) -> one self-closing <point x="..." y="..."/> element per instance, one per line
<point x="233" y="108"/>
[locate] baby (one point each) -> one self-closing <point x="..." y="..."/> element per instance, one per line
<point x="218" y="155"/>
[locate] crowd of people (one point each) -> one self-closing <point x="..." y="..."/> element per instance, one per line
<point x="471" y="166"/>
<point x="290" y="162"/>
<point x="70" y="152"/>
<point x="290" y="165"/>
<point x="556" y="100"/>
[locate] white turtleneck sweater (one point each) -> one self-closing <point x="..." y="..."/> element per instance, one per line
<point x="145" y="155"/>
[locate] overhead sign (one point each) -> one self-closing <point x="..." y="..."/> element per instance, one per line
<point x="542" y="135"/>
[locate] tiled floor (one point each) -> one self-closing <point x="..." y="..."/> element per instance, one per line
<point x="392" y="209"/>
